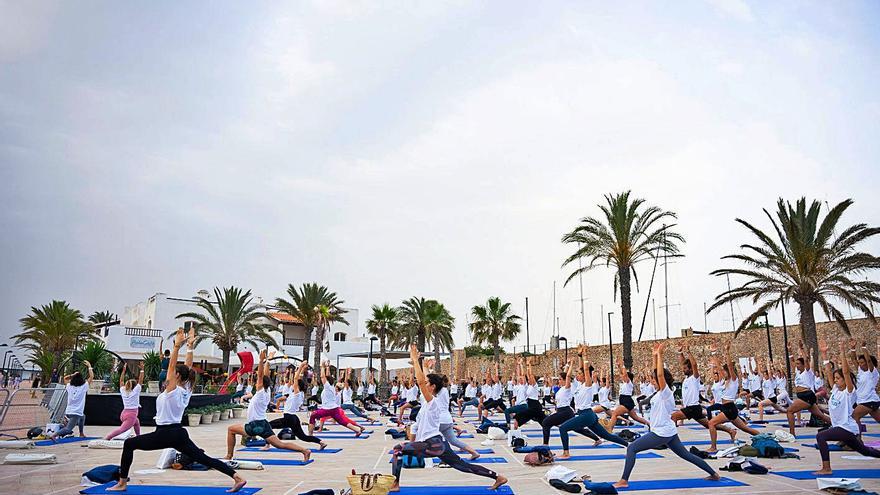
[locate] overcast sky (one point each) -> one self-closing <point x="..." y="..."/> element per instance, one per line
<point x="431" y="149"/>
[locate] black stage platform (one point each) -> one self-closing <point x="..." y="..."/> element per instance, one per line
<point x="104" y="409"/>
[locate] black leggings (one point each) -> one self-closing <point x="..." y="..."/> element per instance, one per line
<point x="292" y="421"/>
<point x="562" y="415"/>
<point x="436" y="446"/>
<point x="165" y="437"/>
<point x="534" y="412"/>
<point x="493" y="404"/>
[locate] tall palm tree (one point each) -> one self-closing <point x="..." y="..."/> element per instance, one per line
<point x="234" y="319"/>
<point x="384" y="324"/>
<point x="303" y="305"/>
<point x="414" y="316"/>
<point x="327" y="314"/>
<point x="493" y="324"/>
<point x="807" y="263"/>
<point x="99" y="317"/>
<point x="628" y="232"/>
<point x="439" y="326"/>
<point x="55" y="328"/>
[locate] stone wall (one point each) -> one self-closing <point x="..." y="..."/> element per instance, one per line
<point x="749" y="343"/>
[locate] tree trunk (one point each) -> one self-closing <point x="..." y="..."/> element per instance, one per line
<point x="436" y="355"/>
<point x="421" y="342"/>
<point x="319" y="347"/>
<point x="307" y="344"/>
<point x="496" y="349"/>
<point x="623" y="275"/>
<point x="226" y="361"/>
<point x="808" y="330"/>
<point x="383" y="370"/>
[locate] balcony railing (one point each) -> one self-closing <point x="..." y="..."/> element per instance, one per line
<point x="298" y="342"/>
<point x="143" y="332"/>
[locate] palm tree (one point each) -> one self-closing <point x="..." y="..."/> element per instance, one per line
<point x="414" y="316"/>
<point x="303" y="305"/>
<point x="384" y="324"/>
<point x="55" y="328"/>
<point x="99" y="317"/>
<point x="807" y="263"/>
<point x="229" y="322"/>
<point x="439" y="326"/>
<point x="629" y="232"/>
<point x="45" y="360"/>
<point x="327" y="314"/>
<point x="494" y="323"/>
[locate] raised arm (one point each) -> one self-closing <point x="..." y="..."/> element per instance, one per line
<point x="259" y="384"/>
<point x="141" y="374"/>
<point x="847" y="377"/>
<point x="690" y="357"/>
<point x="658" y="366"/>
<point x="867" y="355"/>
<point x="624" y="377"/>
<point x="190" y="347"/>
<point x="734" y="371"/>
<point x="421" y="379"/>
<point x="823" y="355"/>
<point x="585" y="364"/>
<point x="122" y="375"/>
<point x="530" y="375"/>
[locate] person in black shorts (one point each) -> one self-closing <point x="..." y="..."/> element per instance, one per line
<point x="690" y="394"/>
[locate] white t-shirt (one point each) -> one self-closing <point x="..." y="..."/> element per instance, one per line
<point x="486" y="391"/>
<point x="603" y="397"/>
<point x="428" y="419"/>
<point x="731" y="389"/>
<point x="315" y="390"/>
<point x="360" y="390"/>
<point x="239" y="387"/>
<point x="840" y="408"/>
<point x="717" y="390"/>
<point x="443" y="397"/>
<point x="626" y="388"/>
<point x="497" y="390"/>
<point x="329" y="399"/>
<point x="690" y="391"/>
<point x="519" y="393"/>
<point x="866" y="386"/>
<point x="76" y="399"/>
<point x="470" y="391"/>
<point x="371" y="389"/>
<point x="754" y="383"/>
<point x="258" y="404"/>
<point x="804" y="379"/>
<point x="768" y="387"/>
<point x="563" y="397"/>
<point x="662" y="406"/>
<point x="531" y="392"/>
<point x="453" y="388"/>
<point x="395" y="389"/>
<point x="131" y="399"/>
<point x="170" y="406"/>
<point x="583" y="398"/>
<point x="294" y="402"/>
<point x="347" y="395"/>
<point x="575" y="386"/>
<point x="646" y="389"/>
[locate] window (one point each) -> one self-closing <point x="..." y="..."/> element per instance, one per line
<point x="339" y="337"/>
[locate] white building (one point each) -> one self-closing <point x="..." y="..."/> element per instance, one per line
<point x="145" y="324"/>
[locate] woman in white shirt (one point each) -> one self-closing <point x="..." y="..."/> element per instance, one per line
<point x="77" y="388"/>
<point x="429" y="442"/>
<point x="603" y="399"/>
<point x="840" y="406"/>
<point x="804" y="381"/>
<point x="768" y="389"/>
<point x="690" y="394"/>
<point x="257" y="425"/>
<point x="867" y="400"/>
<point x="293" y="404"/>
<point x="729" y="412"/>
<point x="130" y="392"/>
<point x="348" y="399"/>
<point x="663" y="431"/>
<point x="529" y="390"/>
<point x="625" y="403"/>
<point x="170" y="405"/>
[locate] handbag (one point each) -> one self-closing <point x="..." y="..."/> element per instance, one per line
<point x="370" y="484"/>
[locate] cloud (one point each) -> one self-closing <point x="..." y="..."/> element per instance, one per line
<point x="735" y="9"/>
<point x="24" y="27"/>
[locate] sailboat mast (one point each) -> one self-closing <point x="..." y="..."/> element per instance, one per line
<point x="666" y="279"/>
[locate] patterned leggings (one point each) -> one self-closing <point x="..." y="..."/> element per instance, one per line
<point x="436" y="446"/>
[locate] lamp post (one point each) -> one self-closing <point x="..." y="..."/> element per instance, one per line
<point x="769" y="342"/>
<point x="785" y="343"/>
<point x="4" y="358"/>
<point x="610" y="350"/>
<point x="566" y="347"/>
<point x="370" y="356"/>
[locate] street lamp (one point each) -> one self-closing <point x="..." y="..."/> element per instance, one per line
<point x="767" y="327"/>
<point x="563" y="339"/>
<point x="370" y="357"/>
<point x="610" y="350"/>
<point x="4" y="358"/>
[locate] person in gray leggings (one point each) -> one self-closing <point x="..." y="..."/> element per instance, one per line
<point x="663" y="430"/>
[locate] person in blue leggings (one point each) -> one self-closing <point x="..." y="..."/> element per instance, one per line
<point x="663" y="430"/>
<point x="585" y="417"/>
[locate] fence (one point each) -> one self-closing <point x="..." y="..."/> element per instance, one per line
<point x="25" y="408"/>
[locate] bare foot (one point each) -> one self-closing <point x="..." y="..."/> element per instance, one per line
<point x="621" y="484"/>
<point x="597" y="443"/>
<point x="565" y="455"/>
<point x="714" y="477"/>
<point x="120" y="486"/>
<point x="500" y="480"/>
<point x="475" y="456"/>
<point x="228" y="457"/>
<point x="323" y="446"/>
<point x="395" y="487"/>
<point x="239" y="484"/>
<point x="265" y="447"/>
<point x="306" y="454"/>
<point x="732" y="436"/>
<point x="823" y="472"/>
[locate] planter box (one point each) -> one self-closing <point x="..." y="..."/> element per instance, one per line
<point x="238" y="412"/>
<point x="224" y="414"/>
<point x="194" y="419"/>
<point x="153" y="387"/>
<point x="207" y="419"/>
<point x="216" y="416"/>
<point x="95" y="386"/>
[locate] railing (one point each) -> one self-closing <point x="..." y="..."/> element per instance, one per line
<point x="143" y="332"/>
<point x="298" y="342"/>
<point x="27" y="407"/>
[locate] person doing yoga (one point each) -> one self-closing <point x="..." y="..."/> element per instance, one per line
<point x="130" y="392"/>
<point x="690" y="394"/>
<point x="768" y="390"/>
<point x="330" y="405"/>
<point x="533" y="410"/>
<point x="519" y="394"/>
<point x="564" y="408"/>
<point x="663" y="431"/>
<point x="169" y="433"/>
<point x="867" y="376"/>
<point x="625" y="403"/>
<point x="292" y="405"/>
<point x="585" y="416"/>
<point x="804" y="382"/>
<point x="429" y="442"/>
<point x="844" y="428"/>
<point x="348" y="399"/>
<point x="77" y="388"/>
<point x="729" y="412"/>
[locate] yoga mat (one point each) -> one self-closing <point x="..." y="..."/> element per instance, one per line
<point x="832" y="447"/>
<point x="482" y="460"/>
<point x="454" y="490"/>
<point x="283" y="451"/>
<point x="134" y="489"/>
<point x="49" y="443"/>
<point x="838" y="473"/>
<point x="680" y="484"/>
<point x="607" y="445"/>
<point x="279" y="462"/>
<point x="609" y="457"/>
<point x="479" y="451"/>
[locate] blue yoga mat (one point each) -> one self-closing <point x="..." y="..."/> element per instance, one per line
<point x="832" y="447"/>
<point x="283" y="451"/>
<point x="609" y="457"/>
<point x="606" y="445"/>
<point x="280" y="462"/>
<point x="134" y="489"/>
<point x="479" y="451"/>
<point x="838" y="473"/>
<point x="454" y="490"/>
<point x="49" y="443"/>
<point x="482" y="460"/>
<point x="679" y="484"/>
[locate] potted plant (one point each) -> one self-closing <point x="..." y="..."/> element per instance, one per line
<point x="216" y="412"/>
<point x="194" y="416"/>
<point x="207" y="416"/>
<point x="224" y="412"/>
<point x="152" y="367"/>
<point x="238" y="411"/>
<point x="96" y="354"/>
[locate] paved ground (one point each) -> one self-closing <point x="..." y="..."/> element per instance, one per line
<point x="329" y="470"/>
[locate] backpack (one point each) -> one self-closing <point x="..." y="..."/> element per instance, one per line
<point x="628" y="435"/>
<point x="412" y="461"/>
<point x="285" y="434"/>
<point x="767" y="446"/>
<point x="539" y="456"/>
<point x="103" y="474"/>
<point x="35" y="432"/>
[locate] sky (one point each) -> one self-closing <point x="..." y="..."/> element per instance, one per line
<point x="435" y="149"/>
